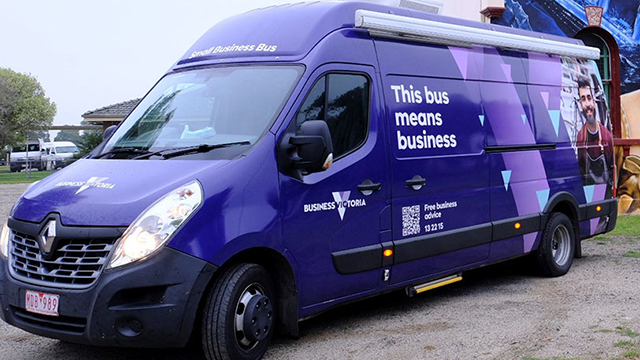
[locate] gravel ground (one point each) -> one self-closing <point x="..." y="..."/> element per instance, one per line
<point x="499" y="312"/>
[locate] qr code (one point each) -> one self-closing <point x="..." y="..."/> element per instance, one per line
<point x="410" y="220"/>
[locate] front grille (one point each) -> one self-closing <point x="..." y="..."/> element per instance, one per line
<point x="60" y="323"/>
<point x="75" y="263"/>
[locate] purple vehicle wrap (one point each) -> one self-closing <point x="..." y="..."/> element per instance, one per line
<point x="464" y="155"/>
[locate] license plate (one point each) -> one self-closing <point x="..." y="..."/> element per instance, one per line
<point x="41" y="303"/>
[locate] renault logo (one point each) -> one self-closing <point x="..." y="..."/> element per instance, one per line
<point x="47" y="237"/>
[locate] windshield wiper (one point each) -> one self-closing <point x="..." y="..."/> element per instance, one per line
<point x="169" y="153"/>
<point x="123" y="150"/>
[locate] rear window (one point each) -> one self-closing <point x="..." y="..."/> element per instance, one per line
<point x="32" y="147"/>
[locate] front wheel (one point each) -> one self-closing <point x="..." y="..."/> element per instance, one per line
<point x="239" y="314"/>
<point x="557" y="246"/>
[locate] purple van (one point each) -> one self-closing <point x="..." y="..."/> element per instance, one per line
<point x="303" y="156"/>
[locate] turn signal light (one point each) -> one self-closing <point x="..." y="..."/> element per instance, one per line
<point x="517" y="225"/>
<point x="388" y="252"/>
<point x="598" y="208"/>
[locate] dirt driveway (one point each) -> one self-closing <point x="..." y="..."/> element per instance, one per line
<point x="500" y="312"/>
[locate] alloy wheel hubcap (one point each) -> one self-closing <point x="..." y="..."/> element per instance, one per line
<point x="561" y="245"/>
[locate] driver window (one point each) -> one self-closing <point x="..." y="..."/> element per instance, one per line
<point x="344" y="107"/>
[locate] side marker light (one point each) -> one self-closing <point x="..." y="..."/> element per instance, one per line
<point x="517" y="225"/>
<point x="388" y="252"/>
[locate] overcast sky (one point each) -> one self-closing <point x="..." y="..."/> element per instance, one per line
<point x="89" y="53"/>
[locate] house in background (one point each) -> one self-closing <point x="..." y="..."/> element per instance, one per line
<point x="110" y="114"/>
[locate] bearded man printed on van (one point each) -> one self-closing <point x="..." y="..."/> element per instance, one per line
<point x="595" y="142"/>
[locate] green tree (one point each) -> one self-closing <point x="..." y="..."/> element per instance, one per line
<point x="39" y="134"/>
<point x="24" y="108"/>
<point x="69" y="135"/>
<point x="90" y="139"/>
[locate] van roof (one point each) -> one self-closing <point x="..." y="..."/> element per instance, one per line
<point x="289" y="32"/>
<point x="60" y="143"/>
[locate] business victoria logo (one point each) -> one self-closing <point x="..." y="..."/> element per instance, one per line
<point x="342" y="199"/>
<point x="340" y="202"/>
<point x="93" y="182"/>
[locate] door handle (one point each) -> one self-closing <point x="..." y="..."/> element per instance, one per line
<point x="416" y="182"/>
<point x="368" y="187"/>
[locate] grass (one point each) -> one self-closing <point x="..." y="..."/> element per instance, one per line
<point x="7" y="177"/>
<point x="627" y="225"/>
<point x="631" y="347"/>
<point x="631" y="350"/>
<point x="601" y="239"/>
<point x="624" y="343"/>
<point x="633" y="254"/>
<point x="625" y="331"/>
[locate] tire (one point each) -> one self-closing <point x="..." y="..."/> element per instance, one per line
<point x="557" y="246"/>
<point x="226" y="315"/>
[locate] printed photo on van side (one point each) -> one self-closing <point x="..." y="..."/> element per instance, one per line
<point x="587" y="119"/>
<point x="613" y="26"/>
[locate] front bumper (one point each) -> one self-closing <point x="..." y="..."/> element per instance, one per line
<point x="152" y="304"/>
<point x="33" y="163"/>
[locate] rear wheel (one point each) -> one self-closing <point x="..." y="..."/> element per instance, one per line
<point x="557" y="247"/>
<point x="239" y="314"/>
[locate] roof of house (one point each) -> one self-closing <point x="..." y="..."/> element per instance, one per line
<point x="119" y="110"/>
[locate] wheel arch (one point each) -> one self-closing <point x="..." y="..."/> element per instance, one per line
<point x="284" y="280"/>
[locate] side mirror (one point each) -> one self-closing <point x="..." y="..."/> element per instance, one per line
<point x="308" y="151"/>
<point x="314" y="147"/>
<point x="109" y="131"/>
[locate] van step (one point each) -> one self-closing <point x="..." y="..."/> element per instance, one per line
<point x="413" y="290"/>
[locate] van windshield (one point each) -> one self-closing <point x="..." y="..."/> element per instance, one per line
<point x="67" y="149"/>
<point x="22" y="148"/>
<point x="213" y="106"/>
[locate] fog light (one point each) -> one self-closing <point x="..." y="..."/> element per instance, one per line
<point x="129" y="327"/>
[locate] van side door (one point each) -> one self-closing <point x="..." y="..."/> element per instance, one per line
<point x="440" y="190"/>
<point x="333" y="220"/>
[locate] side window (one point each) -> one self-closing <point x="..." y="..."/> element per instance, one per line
<point x="342" y="100"/>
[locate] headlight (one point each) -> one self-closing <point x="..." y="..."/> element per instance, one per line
<point x="157" y="224"/>
<point x="4" y="241"/>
